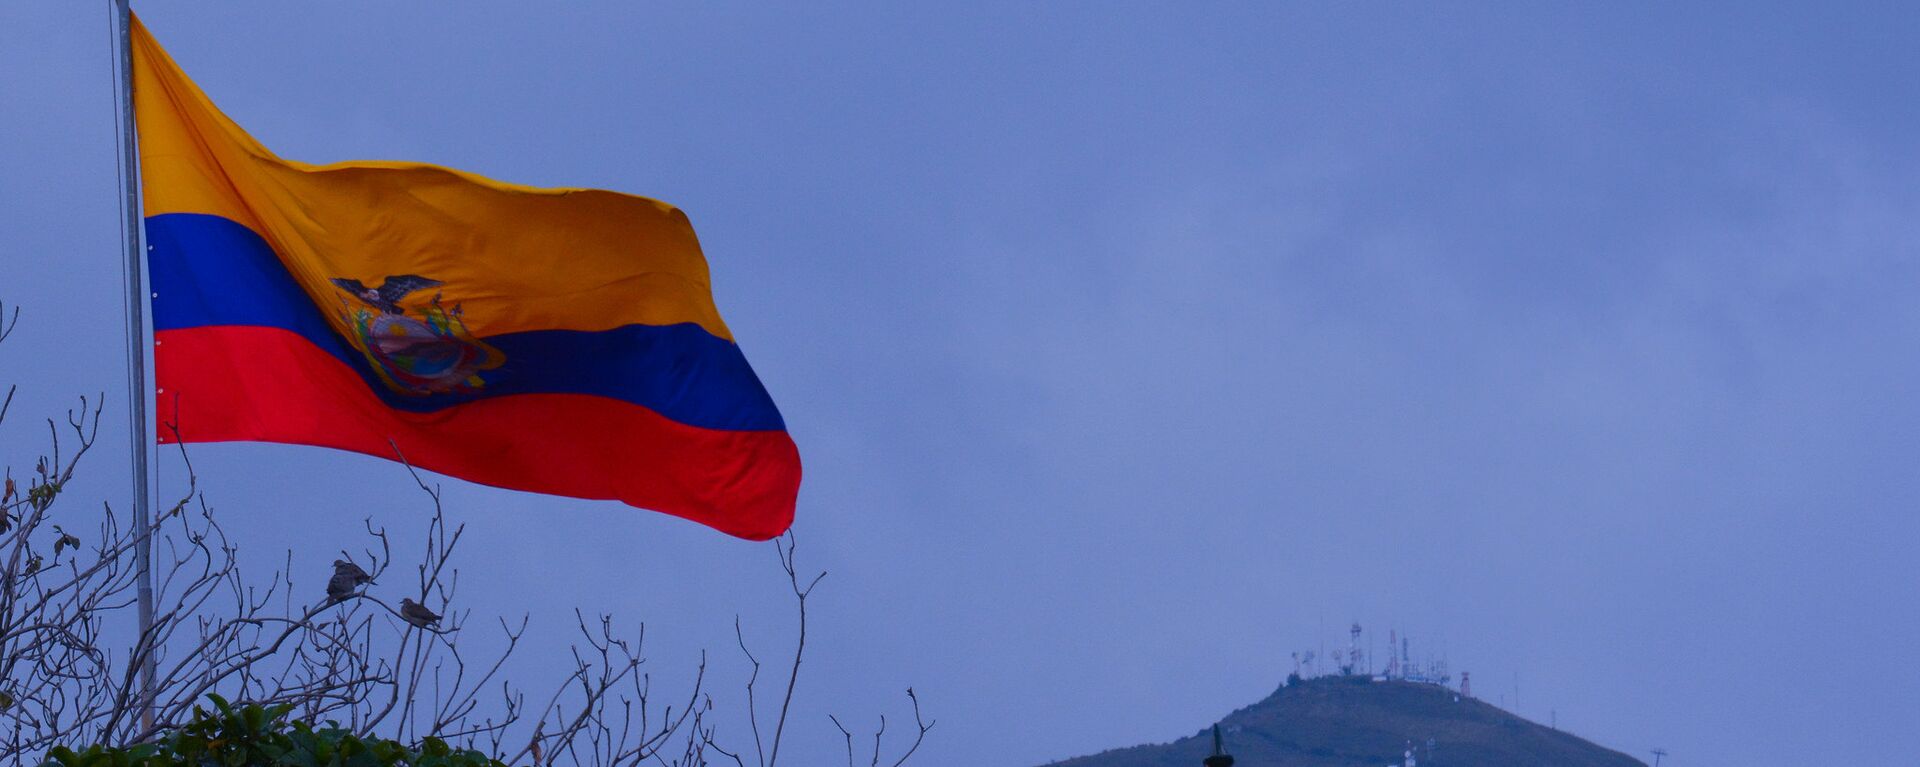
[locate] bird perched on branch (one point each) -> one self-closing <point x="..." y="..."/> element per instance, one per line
<point x="347" y="577"/>
<point x="417" y="614"/>
<point x="339" y="587"/>
<point x="346" y="569"/>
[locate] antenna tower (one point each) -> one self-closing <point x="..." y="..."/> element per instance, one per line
<point x="1353" y="650"/>
<point x="1393" y="660"/>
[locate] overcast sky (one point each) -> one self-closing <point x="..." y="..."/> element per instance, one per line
<point x="1131" y="347"/>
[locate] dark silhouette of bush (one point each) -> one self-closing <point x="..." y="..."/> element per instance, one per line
<point x="258" y="736"/>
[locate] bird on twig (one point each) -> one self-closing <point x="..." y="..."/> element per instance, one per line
<point x="347" y="577"/>
<point x="346" y="569"/>
<point x="417" y="614"/>
<point x="339" y="587"/>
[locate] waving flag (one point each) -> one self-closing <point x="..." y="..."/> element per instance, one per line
<point x="560" y="341"/>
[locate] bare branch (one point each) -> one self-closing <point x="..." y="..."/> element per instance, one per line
<point x="351" y="656"/>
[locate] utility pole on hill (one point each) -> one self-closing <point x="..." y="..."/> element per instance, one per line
<point x="1219" y="758"/>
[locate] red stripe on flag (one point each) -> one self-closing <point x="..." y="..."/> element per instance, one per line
<point x="228" y="383"/>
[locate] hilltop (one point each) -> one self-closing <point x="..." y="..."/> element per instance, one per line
<point x="1355" y="721"/>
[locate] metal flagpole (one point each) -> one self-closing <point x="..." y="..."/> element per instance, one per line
<point x="136" y="359"/>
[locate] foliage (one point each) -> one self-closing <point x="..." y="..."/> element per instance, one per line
<point x="260" y="736"/>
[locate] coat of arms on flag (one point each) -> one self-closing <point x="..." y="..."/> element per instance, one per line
<point x="433" y="353"/>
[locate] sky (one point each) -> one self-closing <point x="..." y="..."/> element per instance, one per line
<point x="1133" y="347"/>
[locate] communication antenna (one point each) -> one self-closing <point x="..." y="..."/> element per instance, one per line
<point x="1393" y="661"/>
<point x="1353" y="650"/>
<point x="1321" y="633"/>
<point x="1658" y="754"/>
<point x="1368" y="670"/>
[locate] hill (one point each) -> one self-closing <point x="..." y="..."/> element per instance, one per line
<point x="1357" y="722"/>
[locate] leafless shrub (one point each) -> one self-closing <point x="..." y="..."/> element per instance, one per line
<point x="67" y="678"/>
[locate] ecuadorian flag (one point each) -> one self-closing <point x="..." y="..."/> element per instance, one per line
<point x="560" y="341"/>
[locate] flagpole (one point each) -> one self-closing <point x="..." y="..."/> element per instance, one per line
<point x="136" y="361"/>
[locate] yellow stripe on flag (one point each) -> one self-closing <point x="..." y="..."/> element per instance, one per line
<point x="523" y="258"/>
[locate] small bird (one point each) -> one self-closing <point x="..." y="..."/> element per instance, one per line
<point x="339" y="587"/>
<point x="417" y="614"/>
<point x="347" y="577"/>
<point x="350" y="571"/>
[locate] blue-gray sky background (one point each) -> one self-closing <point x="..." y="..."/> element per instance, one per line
<point x="1130" y="347"/>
